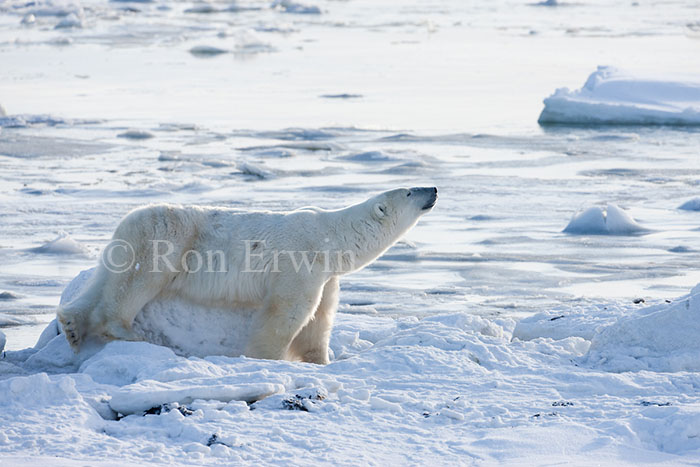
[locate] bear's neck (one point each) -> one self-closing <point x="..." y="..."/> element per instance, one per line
<point x="354" y="240"/>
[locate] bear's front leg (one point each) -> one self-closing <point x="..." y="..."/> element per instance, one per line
<point x="311" y="344"/>
<point x="281" y="320"/>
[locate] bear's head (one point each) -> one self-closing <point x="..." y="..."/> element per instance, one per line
<point x="376" y="224"/>
<point x="398" y="210"/>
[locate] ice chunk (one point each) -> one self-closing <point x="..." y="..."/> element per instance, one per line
<point x="61" y="245"/>
<point x="144" y="395"/>
<point x="613" y="97"/>
<point x="691" y="205"/>
<point x="610" y="220"/>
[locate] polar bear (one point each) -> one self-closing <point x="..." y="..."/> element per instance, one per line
<point x="286" y="265"/>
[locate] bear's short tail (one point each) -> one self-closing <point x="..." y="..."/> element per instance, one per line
<point x="75" y="316"/>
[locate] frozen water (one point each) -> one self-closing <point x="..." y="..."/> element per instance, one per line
<point x="487" y="335"/>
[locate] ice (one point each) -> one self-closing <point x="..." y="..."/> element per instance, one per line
<point x="289" y="6"/>
<point x="139" y="397"/>
<point x="3" y="339"/>
<point x="136" y="134"/>
<point x="207" y="51"/>
<point x="691" y="205"/>
<point x="70" y="21"/>
<point x="61" y="245"/>
<point x="611" y="96"/>
<point x="610" y="220"/>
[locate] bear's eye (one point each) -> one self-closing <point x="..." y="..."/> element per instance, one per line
<point x="409" y="194"/>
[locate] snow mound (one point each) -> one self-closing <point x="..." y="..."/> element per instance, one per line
<point x="691" y="205"/>
<point x="613" y="97"/>
<point x="61" y="245"/>
<point x="665" y="338"/>
<point x="610" y="220"/>
<point x="185" y="328"/>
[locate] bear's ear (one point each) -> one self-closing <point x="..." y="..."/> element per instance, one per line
<point x="379" y="210"/>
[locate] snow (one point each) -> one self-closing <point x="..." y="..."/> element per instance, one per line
<point x="611" y="96"/>
<point x="458" y="384"/>
<point x="610" y="220"/>
<point x="662" y="338"/>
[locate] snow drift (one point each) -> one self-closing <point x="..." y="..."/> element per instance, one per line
<point x="613" y="97"/>
<point x="661" y="338"/>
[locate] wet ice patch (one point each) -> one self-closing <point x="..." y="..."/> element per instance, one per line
<point x="61" y="245"/>
<point x="342" y="96"/>
<point x="207" y="51"/>
<point x="610" y="220"/>
<point x="611" y="96"/>
<point x="136" y="134"/>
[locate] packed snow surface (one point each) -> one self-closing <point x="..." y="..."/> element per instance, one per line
<point x="611" y="96"/>
<point x="463" y="388"/>
<point x="662" y="338"/>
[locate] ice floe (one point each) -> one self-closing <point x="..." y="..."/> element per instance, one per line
<point x="611" y="96"/>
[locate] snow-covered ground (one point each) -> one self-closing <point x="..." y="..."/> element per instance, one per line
<point x="538" y="314"/>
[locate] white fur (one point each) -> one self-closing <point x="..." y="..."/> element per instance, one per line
<point x="297" y="303"/>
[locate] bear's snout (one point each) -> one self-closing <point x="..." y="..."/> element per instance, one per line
<point x="427" y="193"/>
